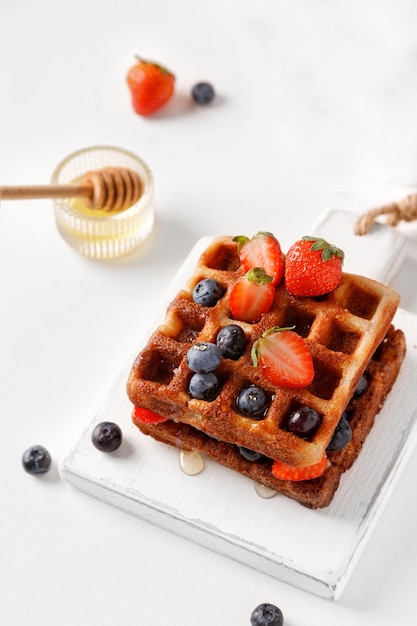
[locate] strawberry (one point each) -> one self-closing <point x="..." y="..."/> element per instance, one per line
<point x="313" y="267"/>
<point x="252" y="296"/>
<point x="284" y="358"/>
<point x="147" y="417"/>
<point x="151" y="86"/>
<point x="263" y="250"/>
<point x="282" y="471"/>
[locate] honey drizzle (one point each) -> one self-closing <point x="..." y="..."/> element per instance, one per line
<point x="263" y="491"/>
<point x="191" y="462"/>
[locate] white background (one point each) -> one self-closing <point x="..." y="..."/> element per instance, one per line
<point x="315" y="100"/>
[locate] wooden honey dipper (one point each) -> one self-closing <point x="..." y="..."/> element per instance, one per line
<point x="111" y="189"/>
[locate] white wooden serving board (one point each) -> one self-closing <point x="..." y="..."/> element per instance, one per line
<point x="219" y="509"/>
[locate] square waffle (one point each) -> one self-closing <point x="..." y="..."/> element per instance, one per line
<point x="342" y="331"/>
<point x="381" y="373"/>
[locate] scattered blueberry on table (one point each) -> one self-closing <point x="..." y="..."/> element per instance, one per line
<point x="106" y="436"/>
<point x="203" y="93"/>
<point x="36" y="460"/>
<point x="267" y="615"/>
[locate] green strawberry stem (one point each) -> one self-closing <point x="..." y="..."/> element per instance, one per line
<point x="264" y="232"/>
<point x="162" y="68"/>
<point x="329" y="251"/>
<point x="240" y="240"/>
<point x="259" y="276"/>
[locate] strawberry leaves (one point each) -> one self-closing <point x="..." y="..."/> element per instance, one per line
<point x="264" y="251"/>
<point x="328" y="250"/>
<point x="252" y="295"/>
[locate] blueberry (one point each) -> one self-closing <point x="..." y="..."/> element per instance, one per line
<point x="303" y="421"/>
<point x="361" y="387"/>
<point x="231" y="340"/>
<point x="106" y="436"/>
<point x="342" y="435"/>
<point x="252" y="402"/>
<point x="207" y="292"/>
<point x="203" y="357"/>
<point x="204" y="386"/>
<point x="267" y="615"/>
<point x="36" y="460"/>
<point x="250" y="455"/>
<point x="203" y="93"/>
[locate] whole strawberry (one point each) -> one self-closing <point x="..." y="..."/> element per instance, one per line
<point x="313" y="267"/>
<point x="151" y="86"/>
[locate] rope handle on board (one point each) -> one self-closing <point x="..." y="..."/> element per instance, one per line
<point x="404" y="210"/>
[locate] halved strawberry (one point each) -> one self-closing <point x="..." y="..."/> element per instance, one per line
<point x="252" y="296"/>
<point x="284" y="358"/>
<point x="282" y="471"/>
<point x="263" y="250"/>
<point x="147" y="417"/>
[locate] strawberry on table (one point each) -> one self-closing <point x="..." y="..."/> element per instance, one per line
<point x="313" y="267"/>
<point x="151" y="86"/>
<point x="282" y="471"/>
<point x="252" y="296"/>
<point x="284" y="358"/>
<point x="263" y="250"/>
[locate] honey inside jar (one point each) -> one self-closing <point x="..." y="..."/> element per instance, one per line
<point x="102" y="233"/>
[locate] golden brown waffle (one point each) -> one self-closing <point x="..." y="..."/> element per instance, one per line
<point x="342" y="331"/>
<point x="317" y="493"/>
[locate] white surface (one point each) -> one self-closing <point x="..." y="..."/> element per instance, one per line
<point x="379" y="257"/>
<point x="316" y="101"/>
<point x="216" y="509"/>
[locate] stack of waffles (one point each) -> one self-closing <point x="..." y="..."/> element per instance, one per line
<point x="348" y="332"/>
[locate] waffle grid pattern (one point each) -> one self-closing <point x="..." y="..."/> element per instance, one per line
<point x="381" y="372"/>
<point x="342" y="331"/>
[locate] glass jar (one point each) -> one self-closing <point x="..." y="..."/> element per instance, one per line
<point x="99" y="234"/>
